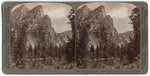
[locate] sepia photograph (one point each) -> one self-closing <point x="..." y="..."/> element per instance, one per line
<point x="108" y="36"/>
<point x="39" y="33"/>
<point x="100" y="35"/>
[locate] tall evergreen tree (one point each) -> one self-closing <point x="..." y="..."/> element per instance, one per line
<point x="134" y="46"/>
<point x="19" y="48"/>
<point x="70" y="46"/>
<point x="92" y="49"/>
<point x="97" y="52"/>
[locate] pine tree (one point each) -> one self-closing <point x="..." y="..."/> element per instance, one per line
<point x="70" y="46"/>
<point x="134" y="46"/>
<point x="30" y="48"/>
<point x="35" y="51"/>
<point x="97" y="52"/>
<point x="92" y="52"/>
<point x="30" y="51"/>
<point x="19" y="48"/>
<point x="92" y="49"/>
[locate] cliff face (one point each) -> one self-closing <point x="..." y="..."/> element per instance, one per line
<point x="17" y="15"/>
<point x="126" y="37"/>
<point x="102" y="30"/>
<point x="38" y="28"/>
<point x="82" y="13"/>
<point x="63" y="37"/>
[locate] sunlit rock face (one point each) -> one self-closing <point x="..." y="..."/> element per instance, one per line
<point x="39" y="31"/>
<point x="102" y="30"/>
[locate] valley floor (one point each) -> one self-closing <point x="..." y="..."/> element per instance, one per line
<point x="54" y="63"/>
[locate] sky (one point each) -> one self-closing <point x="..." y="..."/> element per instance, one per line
<point x="58" y="12"/>
<point x="120" y="13"/>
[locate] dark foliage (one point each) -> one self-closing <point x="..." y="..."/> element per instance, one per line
<point x="19" y="47"/>
<point x="70" y="46"/>
<point x="134" y="46"/>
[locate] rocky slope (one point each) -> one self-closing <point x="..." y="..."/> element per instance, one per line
<point x="63" y="37"/>
<point x="101" y="25"/>
<point x="38" y="27"/>
<point x="17" y="15"/>
<point x="125" y="37"/>
<point x="102" y="28"/>
<point x="82" y="13"/>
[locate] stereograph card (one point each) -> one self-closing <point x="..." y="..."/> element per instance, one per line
<point x="75" y="37"/>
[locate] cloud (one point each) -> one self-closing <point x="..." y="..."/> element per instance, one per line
<point x="57" y="13"/>
<point x="120" y="13"/>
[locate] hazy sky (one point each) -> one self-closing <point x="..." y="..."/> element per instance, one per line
<point x="120" y="13"/>
<point x="58" y="12"/>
